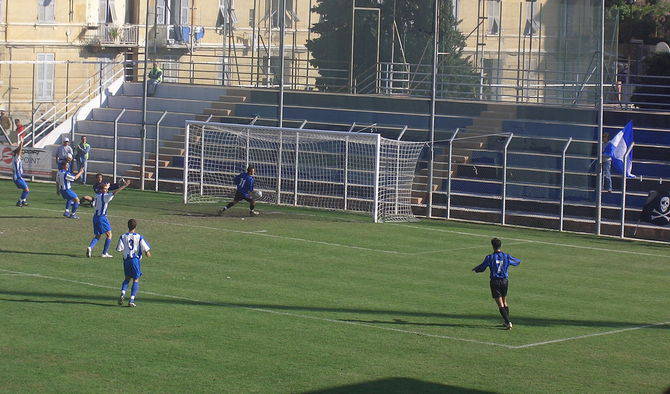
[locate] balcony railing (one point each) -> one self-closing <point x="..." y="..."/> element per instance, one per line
<point x="114" y="36"/>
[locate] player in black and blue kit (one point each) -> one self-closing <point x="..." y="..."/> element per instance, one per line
<point x="245" y="186"/>
<point x="498" y="264"/>
<point x="17" y="176"/>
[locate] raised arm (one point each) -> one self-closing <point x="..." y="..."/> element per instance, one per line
<point x="125" y="185"/>
<point x="79" y="174"/>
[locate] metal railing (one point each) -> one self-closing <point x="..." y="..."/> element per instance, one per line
<point x="114" y="35"/>
<point x="69" y="105"/>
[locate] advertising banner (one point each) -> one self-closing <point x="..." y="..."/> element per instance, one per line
<point x="36" y="162"/>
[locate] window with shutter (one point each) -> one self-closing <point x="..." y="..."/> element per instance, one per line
<point x="289" y="18"/>
<point x="184" y="18"/>
<point x="493" y="16"/>
<point x="532" y="25"/>
<point x="45" y="77"/>
<point x="102" y="11"/>
<point x="160" y="12"/>
<point x="112" y="12"/>
<point x="46" y="11"/>
<point x="227" y="17"/>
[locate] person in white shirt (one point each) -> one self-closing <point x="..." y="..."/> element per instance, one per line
<point x="133" y="245"/>
<point x="64" y="152"/>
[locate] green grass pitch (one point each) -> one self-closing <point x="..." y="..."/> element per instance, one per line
<point x="299" y="300"/>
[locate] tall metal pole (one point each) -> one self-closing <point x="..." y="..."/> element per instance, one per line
<point x="351" y="60"/>
<point x="144" y="97"/>
<point x="32" y="112"/>
<point x="624" y="177"/>
<point x="282" y="61"/>
<point x="601" y="80"/>
<point x="433" y="96"/>
<point x="504" y="180"/>
<point x="451" y="149"/>
<point x="562" y="206"/>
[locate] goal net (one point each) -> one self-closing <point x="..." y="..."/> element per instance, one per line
<point x="313" y="168"/>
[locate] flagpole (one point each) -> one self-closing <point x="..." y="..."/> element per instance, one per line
<point x="599" y="184"/>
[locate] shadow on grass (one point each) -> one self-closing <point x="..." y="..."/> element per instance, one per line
<point x="394" y="318"/>
<point x="40" y="253"/>
<point x="395" y="385"/>
<point x="58" y="302"/>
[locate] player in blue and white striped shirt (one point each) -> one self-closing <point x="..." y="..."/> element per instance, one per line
<point x="17" y="176"/>
<point x="64" y="180"/>
<point x="100" y="222"/>
<point x="133" y="245"/>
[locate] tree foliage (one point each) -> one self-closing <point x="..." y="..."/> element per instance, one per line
<point x="331" y="48"/>
<point x="648" y="22"/>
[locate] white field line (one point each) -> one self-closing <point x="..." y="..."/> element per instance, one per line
<point x="538" y="242"/>
<point x="590" y="335"/>
<point x="258" y="233"/>
<point x="419" y="333"/>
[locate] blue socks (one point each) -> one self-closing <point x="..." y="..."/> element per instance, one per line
<point x="93" y="242"/>
<point x="106" y="248"/>
<point x="24" y="195"/>
<point x="133" y="293"/>
<point x="124" y="286"/>
<point x="74" y="207"/>
<point x="67" y="205"/>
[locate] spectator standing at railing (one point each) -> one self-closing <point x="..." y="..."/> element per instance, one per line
<point x="6" y="124"/>
<point x="607" y="166"/>
<point x="81" y="153"/>
<point x="155" y="79"/>
<point x="63" y="153"/>
<point x="20" y="129"/>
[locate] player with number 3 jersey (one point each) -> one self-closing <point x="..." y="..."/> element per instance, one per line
<point x="133" y="245"/>
<point x="498" y="264"/>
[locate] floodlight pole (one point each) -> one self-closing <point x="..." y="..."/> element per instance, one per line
<point x="433" y="96"/>
<point x="282" y="61"/>
<point x="144" y="97"/>
<point x="601" y="81"/>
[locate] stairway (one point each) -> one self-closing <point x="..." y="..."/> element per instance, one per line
<point x="468" y="140"/>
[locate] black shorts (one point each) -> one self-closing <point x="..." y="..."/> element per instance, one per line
<point x="498" y="287"/>
<point x="239" y="197"/>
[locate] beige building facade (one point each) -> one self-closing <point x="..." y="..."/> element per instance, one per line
<point x="515" y="43"/>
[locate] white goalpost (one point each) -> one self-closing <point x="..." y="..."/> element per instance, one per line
<point x="359" y="172"/>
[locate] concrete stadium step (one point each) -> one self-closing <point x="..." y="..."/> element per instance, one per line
<point x="135" y="116"/>
<point x="104" y="128"/>
<point x="183" y="91"/>
<point x="123" y="143"/>
<point x="217" y="112"/>
<point x="159" y="104"/>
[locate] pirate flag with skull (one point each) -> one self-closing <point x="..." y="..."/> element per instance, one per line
<point x="657" y="208"/>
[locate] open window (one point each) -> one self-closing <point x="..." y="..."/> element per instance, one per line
<point x="107" y="12"/>
<point x="290" y="18"/>
<point x="46" y="11"/>
<point x="493" y="17"/>
<point x="532" y="25"/>
<point x="227" y="17"/>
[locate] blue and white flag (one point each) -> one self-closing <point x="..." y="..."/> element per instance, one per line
<point x="617" y="148"/>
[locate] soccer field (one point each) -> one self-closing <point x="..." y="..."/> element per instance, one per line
<point x="299" y="300"/>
